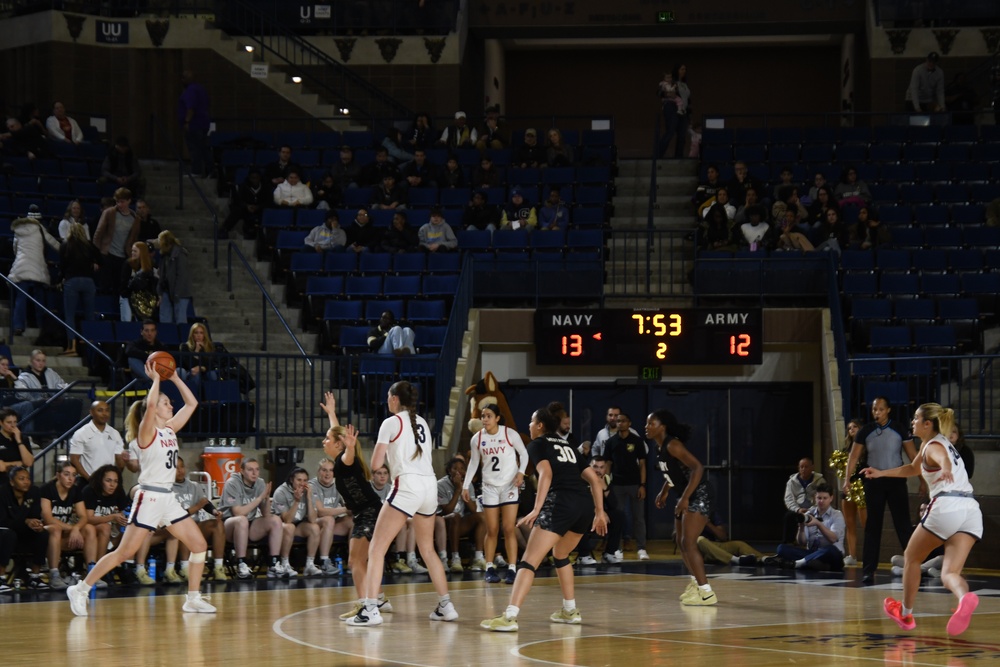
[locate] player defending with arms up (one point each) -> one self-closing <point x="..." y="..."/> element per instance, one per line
<point x="154" y="504"/>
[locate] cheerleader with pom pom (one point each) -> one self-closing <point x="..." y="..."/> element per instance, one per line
<point x="853" y="502"/>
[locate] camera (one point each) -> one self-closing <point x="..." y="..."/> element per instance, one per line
<point x="802" y="518"/>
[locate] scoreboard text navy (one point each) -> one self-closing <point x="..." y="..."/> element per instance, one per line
<point x="679" y="336"/>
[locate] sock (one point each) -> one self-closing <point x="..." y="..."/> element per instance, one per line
<point x="184" y="565"/>
<point x="371" y="603"/>
<point x="140" y="568"/>
<point x="381" y="597"/>
<point x="455" y="554"/>
<point x="479" y="555"/>
<point x="694" y="580"/>
<point x="83" y="586"/>
<point x="735" y="560"/>
<point x="284" y="562"/>
<point x="443" y="555"/>
<point x="800" y="563"/>
<point x="707" y="588"/>
<point x="218" y="563"/>
<point x="443" y="600"/>
<point x="54" y="572"/>
<point x="411" y="556"/>
<point x="274" y="561"/>
<point x="569" y="605"/>
<point x="130" y="562"/>
<point x="241" y="560"/>
<point x="193" y="595"/>
<point x="906" y="612"/>
<point x="170" y="566"/>
<point x="324" y="560"/>
<point x="309" y="561"/>
<point x="512" y="612"/>
<point x="490" y="566"/>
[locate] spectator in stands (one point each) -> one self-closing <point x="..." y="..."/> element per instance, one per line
<point x="530" y="153"/>
<point x="800" y="495"/>
<point x="175" y="286"/>
<point x="24" y="140"/>
<point x="193" y="117"/>
<point x="493" y="133"/>
<point x="400" y="237"/>
<point x="373" y="174"/>
<point x="716" y="232"/>
<point x="716" y="547"/>
<point x="29" y="270"/>
<point x="294" y="504"/>
<point x="752" y="199"/>
<point x="110" y="238"/>
<point x="64" y="513"/>
<point x="707" y="189"/>
<point x="517" y="214"/>
<point x="421" y="135"/>
<point x="740" y="183"/>
<point x="145" y="228"/>
<point x="557" y="153"/>
<point x="326" y="237"/>
<point x="249" y="199"/>
<point x="121" y="167"/>
<point x="486" y="175"/>
<point x="721" y="199"/>
<point x="198" y="358"/>
<point x="346" y="172"/>
<point x="137" y="350"/>
<point x="388" y="337"/>
<point x="564" y="432"/>
<point x="458" y="134"/>
<point x="38" y="383"/>
<point x="104" y="501"/>
<point x="613" y="539"/>
<point x="755" y="233"/>
<point x="609" y="429"/>
<point x="993" y="213"/>
<point x="7" y="376"/>
<point x="831" y="234"/>
<point x="387" y="195"/>
<point x="31" y="116"/>
<point x="191" y="496"/>
<point x="79" y="262"/>
<point x="789" y="238"/>
<point x="394" y="144"/>
<point x="784" y="183"/>
<point x="333" y="518"/>
<point x="480" y="215"/>
<point x="138" y="295"/>
<point x="789" y="196"/>
<point x="459" y="518"/>
<point x="819" y="180"/>
<point x="61" y="127"/>
<point x="437" y="235"/>
<point x="292" y="192"/>
<point x="554" y="214"/>
<point x="326" y="194"/>
<point x="246" y="506"/>
<point x="362" y="236"/>
<point x="694" y="133"/>
<point x="670" y="102"/>
<point x="627" y="452"/>
<point x="869" y="232"/>
<point x="14" y="451"/>
<point x="926" y="90"/>
<point x="851" y="190"/>
<point x="276" y="172"/>
<point x="420" y="173"/>
<point x="824" y="201"/>
<point x="452" y="175"/>
<point x="19" y="512"/>
<point x="73" y="214"/>
<point x="819" y="540"/>
<point x="683" y="112"/>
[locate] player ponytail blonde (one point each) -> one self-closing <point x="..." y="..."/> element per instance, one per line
<point x="943" y="418"/>
<point x="133" y="419"/>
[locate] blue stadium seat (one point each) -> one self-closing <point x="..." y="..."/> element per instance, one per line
<point x="982" y="237"/>
<point x="303" y="263"/>
<point x="934" y="172"/>
<point x="971" y="172"/>
<point x="961" y="134"/>
<point x="894" y="260"/>
<point x="454" y="197"/>
<point x="375" y="307"/>
<point x="924" y="134"/>
<point x="290" y="239"/>
<point x="528" y="176"/>
<point x="557" y="176"/>
<point x="448" y="262"/>
<point x="307" y="218"/>
<point x="784" y="153"/>
<point x="965" y="260"/>
<point x="930" y="261"/>
<point x="896" y="391"/>
<point x="358" y="139"/>
<point x="867" y="364"/>
<point x="859" y="284"/>
<point x="474" y="239"/>
<point x="939" y="339"/>
<point x="340" y="262"/>
<point x="855" y="135"/>
<point x="919" y="152"/>
<point x="931" y="215"/>
<point x="968" y="214"/>
<point x="711" y="136"/>
<point x="403" y="286"/>
<point x="363" y="287"/>
<point x="422" y="197"/>
<point x="277" y="217"/>
<point x="429" y="338"/>
<point x="370" y="263"/>
<point x="953" y="153"/>
<point x="409" y="262"/>
<point x="895" y="134"/>
<point x="354" y="339"/>
<point x="899" y="285"/>
<point x="597" y="138"/>
<point x="126" y="331"/>
<point x="884" y="193"/>
<point x="325" y="286"/>
<point x="943" y="237"/>
<point x="883" y="152"/>
<point x="985" y="192"/>
<point x="894" y="338"/>
<point x="908" y="237"/>
<point x="940" y="285"/>
<point x="857" y="260"/>
<point x="356" y="198"/>
<point x="853" y="154"/>
<point x="871" y="309"/>
<point x="916" y="194"/>
<point x="589" y="216"/>
<point x="341" y="311"/>
<point x="914" y="311"/>
<point x="951" y="194"/>
<point x="514" y="240"/>
<point x="813" y="153"/>
<point x="433" y="310"/>
<point x="593" y="175"/>
<point x="443" y="285"/>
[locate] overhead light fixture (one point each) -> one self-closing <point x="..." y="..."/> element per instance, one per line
<point x="248" y="48"/>
<point x="345" y="111"/>
<point x="296" y="79"/>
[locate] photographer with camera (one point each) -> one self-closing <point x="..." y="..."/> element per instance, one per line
<point x="820" y="537"/>
<point x="800" y="495"/>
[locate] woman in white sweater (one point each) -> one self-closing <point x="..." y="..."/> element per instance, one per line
<point x="293" y="192"/>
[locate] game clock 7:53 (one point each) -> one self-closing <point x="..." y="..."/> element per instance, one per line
<point x="649" y="337"/>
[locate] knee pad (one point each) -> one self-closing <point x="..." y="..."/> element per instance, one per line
<point x="198" y="557"/>
<point x="560" y="562"/>
<point x="525" y="565"/>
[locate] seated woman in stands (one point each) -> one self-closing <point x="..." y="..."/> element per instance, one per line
<point x="869" y="232"/>
<point x="197" y="359"/>
<point x="852" y="190"/>
<point x="105" y="501"/>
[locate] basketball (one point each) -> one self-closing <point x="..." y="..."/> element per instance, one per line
<point x="164" y="363"/>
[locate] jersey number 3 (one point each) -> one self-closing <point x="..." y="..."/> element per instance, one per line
<point x="565" y="453"/>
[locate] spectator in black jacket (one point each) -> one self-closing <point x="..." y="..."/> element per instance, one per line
<point x="346" y="172"/>
<point x="276" y="172"/>
<point x="137" y="350"/>
<point x="480" y="215"/>
<point x="247" y="203"/>
<point x="400" y="237"/>
<point x="362" y="236"/>
<point x="388" y="195"/>
<point x="326" y="194"/>
<point x="452" y="176"/>
<point x="530" y="154"/>
<point x="486" y="175"/>
<point x="373" y="173"/>
<point x="420" y="173"/>
<point x="24" y="140"/>
<point x="79" y="261"/>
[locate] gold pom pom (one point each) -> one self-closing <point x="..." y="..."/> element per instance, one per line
<point x="857" y="493"/>
<point x="838" y="461"/>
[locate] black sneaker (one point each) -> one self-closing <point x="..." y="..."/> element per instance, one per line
<point x="35" y="583"/>
<point x="748" y="560"/>
<point x="126" y="576"/>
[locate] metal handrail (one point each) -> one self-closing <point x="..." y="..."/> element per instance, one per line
<point x="156" y="121"/>
<point x="76" y="333"/>
<point x="265" y="299"/>
<point x="254" y="24"/>
<point x="49" y="400"/>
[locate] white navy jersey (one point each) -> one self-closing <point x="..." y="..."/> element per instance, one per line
<point x="398" y="434"/>
<point x="158" y="459"/>
<point x="188" y="493"/>
<point x="932" y="476"/>
<point x="502" y="455"/>
<point x="284" y="499"/>
<point x="325" y="496"/>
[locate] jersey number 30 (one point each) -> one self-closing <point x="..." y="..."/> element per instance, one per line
<point x="172" y="459"/>
<point x="565" y="453"/>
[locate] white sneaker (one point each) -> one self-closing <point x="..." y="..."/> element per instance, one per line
<point x="366" y="618"/>
<point x="614" y="558"/>
<point x="416" y="567"/>
<point x="456" y="565"/>
<point x="898" y="560"/>
<point x="196" y="604"/>
<point x="643" y="555"/>
<point x="243" y="571"/>
<point x="77" y="600"/>
<point x="312" y="571"/>
<point x="586" y="560"/>
<point x="850" y="561"/>
<point x="500" y="561"/>
<point x="275" y="571"/>
<point x="384" y="607"/>
<point x="330" y="569"/>
<point x="478" y="565"/>
<point x="445" y="612"/>
<point x="288" y="572"/>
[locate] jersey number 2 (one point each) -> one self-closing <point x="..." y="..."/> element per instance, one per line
<point x="496" y="464"/>
<point x="565" y="453"/>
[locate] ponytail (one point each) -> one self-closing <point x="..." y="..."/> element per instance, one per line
<point x="407" y="395"/>
<point x="134" y="417"/>
<point x="942" y="418"/>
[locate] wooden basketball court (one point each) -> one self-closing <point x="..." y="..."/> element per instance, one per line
<point x="631" y="616"/>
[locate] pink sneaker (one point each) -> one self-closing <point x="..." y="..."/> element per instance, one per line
<point x="894" y="610"/>
<point x="960" y="619"/>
